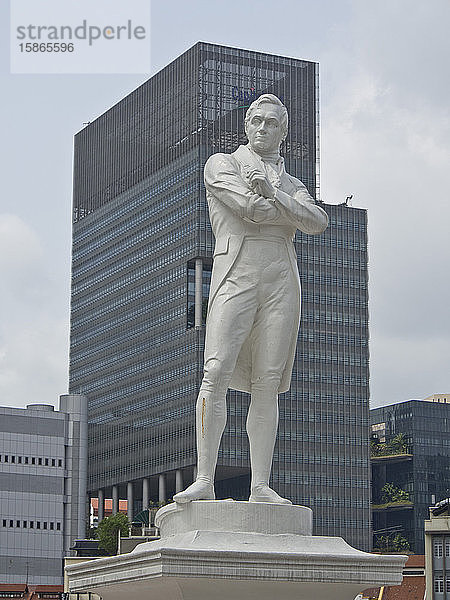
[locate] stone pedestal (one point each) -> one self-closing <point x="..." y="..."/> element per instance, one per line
<point x="248" y="551"/>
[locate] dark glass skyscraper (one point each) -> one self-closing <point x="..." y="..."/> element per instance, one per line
<point x="142" y="248"/>
<point x="418" y="465"/>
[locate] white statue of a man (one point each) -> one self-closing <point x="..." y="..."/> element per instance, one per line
<point x="255" y="208"/>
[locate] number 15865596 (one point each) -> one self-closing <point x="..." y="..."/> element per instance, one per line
<point x="47" y="47"/>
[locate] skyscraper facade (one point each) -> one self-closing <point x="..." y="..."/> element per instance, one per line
<point x="142" y="255"/>
<point x="421" y="468"/>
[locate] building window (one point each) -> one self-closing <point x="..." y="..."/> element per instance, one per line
<point x="45" y="524"/>
<point x="206" y="280"/>
<point x="6" y="458"/>
<point x="31" y="524"/>
<point x="4" y="522"/>
<point x="25" y="524"/>
<point x="59" y="462"/>
<point x="39" y="461"/>
<point x="17" y="523"/>
<point x="26" y="460"/>
<point x="33" y="460"/>
<point x="51" y="526"/>
<point x="53" y="462"/>
<point x="38" y="524"/>
<point x="19" y="460"/>
<point x="437" y="549"/>
<point x="11" y="523"/>
<point x="439" y="584"/>
<point x="58" y="526"/>
<point x="13" y="459"/>
<point x="46" y="462"/>
<point x="447" y="548"/>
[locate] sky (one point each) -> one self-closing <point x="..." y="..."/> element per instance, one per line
<point x="385" y="139"/>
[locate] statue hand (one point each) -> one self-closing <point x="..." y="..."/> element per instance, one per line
<point x="261" y="185"/>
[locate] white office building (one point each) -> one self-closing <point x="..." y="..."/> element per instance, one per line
<point x="43" y="466"/>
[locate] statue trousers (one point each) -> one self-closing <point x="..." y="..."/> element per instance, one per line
<point x="257" y="304"/>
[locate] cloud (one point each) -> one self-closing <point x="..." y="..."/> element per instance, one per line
<point x="19" y="245"/>
<point x="385" y="131"/>
<point x="405" y="45"/>
<point x="33" y="328"/>
<point x="403" y="365"/>
<point x="386" y="140"/>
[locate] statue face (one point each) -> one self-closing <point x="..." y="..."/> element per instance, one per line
<point x="264" y="129"/>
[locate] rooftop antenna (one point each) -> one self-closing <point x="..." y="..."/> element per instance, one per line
<point x="347" y="200"/>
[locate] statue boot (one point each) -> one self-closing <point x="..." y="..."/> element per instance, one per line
<point x="262" y="425"/>
<point x="211" y="418"/>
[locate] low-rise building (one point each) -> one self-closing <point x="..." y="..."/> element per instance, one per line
<point x="43" y="502"/>
<point x="437" y="551"/>
<point x="75" y="595"/>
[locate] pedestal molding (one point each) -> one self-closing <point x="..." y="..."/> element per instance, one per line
<point x="199" y="563"/>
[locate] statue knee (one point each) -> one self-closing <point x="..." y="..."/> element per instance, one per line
<point x="268" y="384"/>
<point x="215" y="377"/>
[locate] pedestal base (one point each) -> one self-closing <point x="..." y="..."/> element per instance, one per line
<point x="229" y="515"/>
<point x="248" y="551"/>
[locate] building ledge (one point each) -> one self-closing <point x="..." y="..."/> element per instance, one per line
<point x="401" y="505"/>
<point x="391" y="457"/>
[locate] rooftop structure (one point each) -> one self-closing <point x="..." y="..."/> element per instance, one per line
<point x="443" y="398"/>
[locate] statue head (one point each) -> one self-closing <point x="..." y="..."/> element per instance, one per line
<point x="266" y="123"/>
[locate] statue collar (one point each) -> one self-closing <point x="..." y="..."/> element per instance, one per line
<point x="250" y="159"/>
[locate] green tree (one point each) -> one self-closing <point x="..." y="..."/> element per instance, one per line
<point x="392" y="493"/>
<point x="377" y="448"/>
<point x="108" y="532"/>
<point x="400" y="544"/>
<point x="374" y="446"/>
<point x="389" y="543"/>
<point x="382" y="543"/>
<point x="398" y="444"/>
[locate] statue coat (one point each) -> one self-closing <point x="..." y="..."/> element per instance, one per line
<point x="236" y="211"/>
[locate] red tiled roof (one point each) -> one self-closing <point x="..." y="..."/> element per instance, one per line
<point x="12" y="587"/>
<point x="415" y="560"/>
<point x="412" y="588"/>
